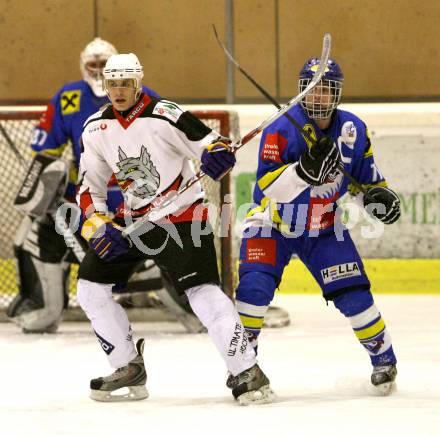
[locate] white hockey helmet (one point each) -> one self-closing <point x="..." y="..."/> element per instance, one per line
<point x="91" y="62"/>
<point x="124" y="66"/>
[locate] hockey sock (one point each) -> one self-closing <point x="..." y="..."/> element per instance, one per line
<point x="252" y="317"/>
<point x="254" y="294"/>
<point x="109" y="321"/>
<point x="368" y="325"/>
<point x="218" y="314"/>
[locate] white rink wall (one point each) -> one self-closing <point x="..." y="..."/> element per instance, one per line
<point x="406" y="143"/>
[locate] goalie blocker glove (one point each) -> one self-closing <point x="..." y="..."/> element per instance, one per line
<point x="217" y="159"/>
<point x="383" y="204"/>
<point x="319" y="164"/>
<point x="104" y="237"/>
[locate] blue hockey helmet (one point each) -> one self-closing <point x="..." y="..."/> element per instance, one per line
<point x="325" y="97"/>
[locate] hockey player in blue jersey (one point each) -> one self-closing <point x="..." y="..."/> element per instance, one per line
<point x="41" y="253"/>
<point x="298" y="184"/>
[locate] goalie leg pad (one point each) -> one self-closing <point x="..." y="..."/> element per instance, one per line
<point x="109" y="321"/>
<point x="218" y="314"/>
<point x="39" y="251"/>
<point x="48" y="294"/>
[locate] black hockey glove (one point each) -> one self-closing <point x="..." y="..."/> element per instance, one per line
<point x="383" y="204"/>
<point x="319" y="164"/>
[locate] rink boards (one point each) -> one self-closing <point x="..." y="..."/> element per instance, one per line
<point x="396" y="275"/>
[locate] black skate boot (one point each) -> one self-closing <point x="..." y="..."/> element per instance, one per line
<point x="132" y="376"/>
<point x="251" y="386"/>
<point x="232" y="381"/>
<point x="383" y="378"/>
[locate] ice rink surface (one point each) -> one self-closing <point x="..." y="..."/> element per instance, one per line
<point x="317" y="368"/>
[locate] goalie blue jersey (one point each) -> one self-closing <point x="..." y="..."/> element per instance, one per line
<point x="292" y="205"/>
<point x="63" y="120"/>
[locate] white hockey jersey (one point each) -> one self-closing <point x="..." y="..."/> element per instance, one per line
<point x="147" y="150"/>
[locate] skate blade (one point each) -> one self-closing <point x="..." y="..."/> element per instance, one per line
<point x="138" y="392"/>
<point x="385" y="389"/>
<point x="257" y="397"/>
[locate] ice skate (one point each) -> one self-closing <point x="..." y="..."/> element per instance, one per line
<point x="132" y="376"/>
<point x="231" y="381"/>
<point x="251" y="387"/>
<point x="383" y="378"/>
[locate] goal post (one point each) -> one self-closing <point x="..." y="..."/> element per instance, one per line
<point x="19" y="122"/>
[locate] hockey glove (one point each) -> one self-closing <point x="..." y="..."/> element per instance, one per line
<point x="217" y="160"/>
<point x="319" y="164"/>
<point x="383" y="204"/>
<point x="104" y="237"/>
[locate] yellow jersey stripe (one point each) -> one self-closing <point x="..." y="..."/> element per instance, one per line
<point x="259" y="208"/>
<point x="354" y="190"/>
<point x="266" y="180"/>
<point x="54" y="151"/>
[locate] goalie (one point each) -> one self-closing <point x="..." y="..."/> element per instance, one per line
<point x="41" y="254"/>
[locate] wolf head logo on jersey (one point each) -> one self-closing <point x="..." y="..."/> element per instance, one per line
<point x="137" y="176"/>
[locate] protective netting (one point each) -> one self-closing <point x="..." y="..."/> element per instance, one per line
<point x="16" y="129"/>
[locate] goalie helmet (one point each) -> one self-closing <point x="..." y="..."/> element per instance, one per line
<point x="124" y="66"/>
<point x="325" y="97"/>
<point x="92" y="61"/>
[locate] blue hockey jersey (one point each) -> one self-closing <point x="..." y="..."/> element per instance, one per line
<point x="63" y="120"/>
<point x="284" y="199"/>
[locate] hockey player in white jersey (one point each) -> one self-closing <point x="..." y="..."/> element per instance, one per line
<point x="42" y="256"/>
<point x="148" y="143"/>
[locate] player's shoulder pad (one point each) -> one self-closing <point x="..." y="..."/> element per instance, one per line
<point x="167" y="110"/>
<point x="150" y="92"/>
<point x="71" y="87"/>
<point x="283" y="122"/>
<point x="345" y="115"/>
<point x="183" y="120"/>
<point x="67" y="88"/>
<point x="104" y="107"/>
<point x="80" y="84"/>
<point x="105" y="112"/>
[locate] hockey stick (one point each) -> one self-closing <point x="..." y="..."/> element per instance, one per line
<point x="326" y="46"/>
<point x="12" y="146"/>
<point x="306" y="135"/>
<point x="188" y="320"/>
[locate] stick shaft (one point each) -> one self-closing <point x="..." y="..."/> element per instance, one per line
<point x="326" y="46"/>
<point x="292" y="120"/>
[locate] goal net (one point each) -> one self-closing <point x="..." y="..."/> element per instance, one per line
<point x="16" y="126"/>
